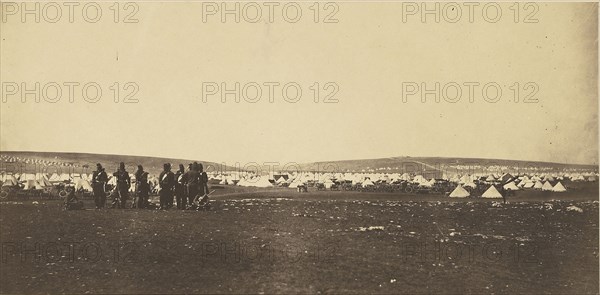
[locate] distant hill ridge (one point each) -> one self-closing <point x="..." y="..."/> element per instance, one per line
<point x="428" y="165"/>
<point x="111" y="162"/>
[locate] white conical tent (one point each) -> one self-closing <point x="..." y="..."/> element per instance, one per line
<point x="259" y="182"/>
<point x="455" y="179"/>
<point x="44" y="182"/>
<point x="32" y="184"/>
<point x="559" y="188"/>
<point x="538" y="185"/>
<point x="295" y="183"/>
<point x="41" y="176"/>
<point x="459" y="192"/>
<point x="492" y="193"/>
<point x="405" y="176"/>
<point x="54" y="178"/>
<point x="465" y="179"/>
<point x="547" y="186"/>
<point x="26" y="176"/>
<point x="83" y="184"/>
<point x="10" y="180"/>
<point x="328" y="183"/>
<point x="65" y="177"/>
<point x="419" y="179"/>
<point x="367" y="182"/>
<point x="511" y="186"/>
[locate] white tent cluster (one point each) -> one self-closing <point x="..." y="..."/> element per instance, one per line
<point x="80" y="181"/>
<point x="534" y="178"/>
<point x="545" y="182"/>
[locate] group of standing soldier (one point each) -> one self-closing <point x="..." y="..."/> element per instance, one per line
<point x="184" y="186"/>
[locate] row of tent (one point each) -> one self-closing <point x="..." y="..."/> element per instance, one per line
<point x="40" y="181"/>
<point x="328" y="179"/>
<point x="493" y="193"/>
<point x="354" y="177"/>
<point x="295" y="179"/>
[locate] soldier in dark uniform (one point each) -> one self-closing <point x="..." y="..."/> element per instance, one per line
<point x="187" y="180"/>
<point x="99" y="180"/>
<point x="142" y="187"/>
<point x="180" y="188"/>
<point x="71" y="201"/>
<point x="202" y="197"/>
<point x="193" y="180"/>
<point x="166" y="182"/>
<point x="121" y="192"/>
<point x="203" y="181"/>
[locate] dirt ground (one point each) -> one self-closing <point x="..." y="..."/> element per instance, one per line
<point x="280" y="241"/>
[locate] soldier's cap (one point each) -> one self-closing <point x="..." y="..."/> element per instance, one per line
<point x="98" y="165"/>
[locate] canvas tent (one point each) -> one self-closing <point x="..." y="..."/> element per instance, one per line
<point x="295" y="183"/>
<point x="459" y="192"/>
<point x="54" y="177"/>
<point x="547" y="186"/>
<point x="257" y="182"/>
<point x="367" y="182"/>
<point x="83" y="184"/>
<point x="44" y="182"/>
<point x="559" y="188"/>
<point x="492" y="193"/>
<point x="9" y="180"/>
<point x="328" y="183"/>
<point x="511" y="186"/>
<point x="65" y="177"/>
<point x="31" y="184"/>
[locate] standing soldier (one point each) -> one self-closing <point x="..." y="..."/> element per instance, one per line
<point x="99" y="180"/>
<point x="180" y="188"/>
<point x="193" y="179"/>
<point x="203" y="181"/>
<point x="166" y="182"/>
<point x="123" y="184"/>
<point x="202" y="195"/>
<point x="189" y="175"/>
<point x="142" y="187"/>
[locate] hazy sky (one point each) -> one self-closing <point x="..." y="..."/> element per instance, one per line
<point x="370" y="53"/>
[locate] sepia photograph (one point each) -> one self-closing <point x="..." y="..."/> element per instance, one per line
<point x="299" y="147"/>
